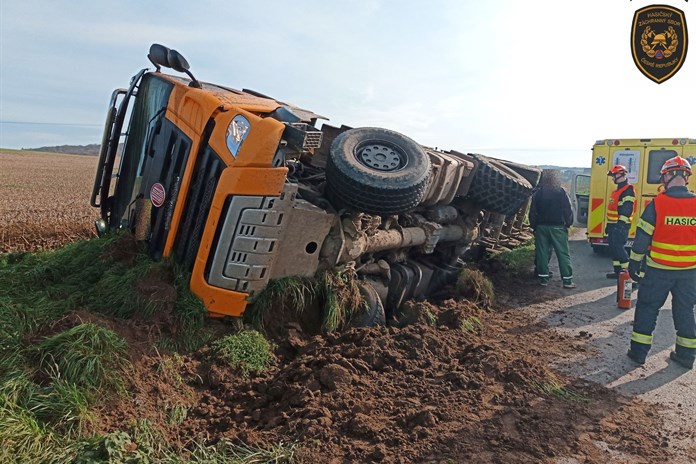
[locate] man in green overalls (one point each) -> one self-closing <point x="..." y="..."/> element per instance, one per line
<point x="550" y="215"/>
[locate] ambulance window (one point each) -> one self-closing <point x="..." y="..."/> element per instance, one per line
<point x="656" y="158"/>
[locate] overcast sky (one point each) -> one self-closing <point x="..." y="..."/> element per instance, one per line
<point x="533" y="81"/>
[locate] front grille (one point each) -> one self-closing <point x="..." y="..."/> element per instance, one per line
<point x="167" y="167"/>
<point x="206" y="173"/>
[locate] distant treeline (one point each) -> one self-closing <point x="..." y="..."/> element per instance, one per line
<point x="88" y="150"/>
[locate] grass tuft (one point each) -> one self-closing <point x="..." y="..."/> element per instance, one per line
<point x="471" y="324"/>
<point x="143" y="445"/>
<point x="87" y="355"/>
<point x="475" y="286"/>
<point x="227" y="452"/>
<point x="337" y="293"/>
<point x="168" y="369"/>
<point x="552" y="387"/>
<point x="62" y="404"/>
<point x="520" y="259"/>
<point x="177" y="414"/>
<point x="341" y="297"/>
<point x="189" y="316"/>
<point x="248" y="351"/>
<point x="430" y="316"/>
<point x="287" y="292"/>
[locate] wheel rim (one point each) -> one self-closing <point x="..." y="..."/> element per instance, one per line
<point x="380" y="156"/>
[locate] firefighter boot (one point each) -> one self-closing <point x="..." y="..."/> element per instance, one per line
<point x="614" y="275"/>
<point x="636" y="357"/>
<point x="683" y="361"/>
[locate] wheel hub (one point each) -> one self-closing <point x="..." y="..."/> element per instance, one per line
<point x="380" y="157"/>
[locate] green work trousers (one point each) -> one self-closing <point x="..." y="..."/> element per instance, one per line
<point x="552" y="237"/>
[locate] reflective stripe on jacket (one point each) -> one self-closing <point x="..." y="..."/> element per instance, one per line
<point x="617" y="199"/>
<point x="673" y="243"/>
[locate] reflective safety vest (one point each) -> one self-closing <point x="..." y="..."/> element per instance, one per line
<point x="613" y="206"/>
<point x="674" y="239"/>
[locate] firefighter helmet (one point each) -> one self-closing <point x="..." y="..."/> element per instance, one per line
<point x="676" y="164"/>
<point x="617" y="170"/>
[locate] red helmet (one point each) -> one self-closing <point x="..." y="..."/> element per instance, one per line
<point x="617" y="170"/>
<point x="676" y="164"/>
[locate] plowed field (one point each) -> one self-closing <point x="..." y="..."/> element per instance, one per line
<point x="44" y="199"/>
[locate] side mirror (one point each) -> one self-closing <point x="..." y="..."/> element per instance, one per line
<point x="177" y="61"/>
<point x="159" y="55"/>
<point x="163" y="56"/>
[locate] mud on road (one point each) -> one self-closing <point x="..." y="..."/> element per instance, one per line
<point x="525" y="382"/>
<point x="589" y="315"/>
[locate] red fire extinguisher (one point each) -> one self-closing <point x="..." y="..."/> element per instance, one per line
<point x="624" y="290"/>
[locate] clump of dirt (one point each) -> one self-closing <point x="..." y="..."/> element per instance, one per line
<point x="123" y="250"/>
<point x="473" y="285"/>
<point x="323" y="303"/>
<point x="157" y="290"/>
<point x="432" y="388"/>
<point x="286" y="303"/>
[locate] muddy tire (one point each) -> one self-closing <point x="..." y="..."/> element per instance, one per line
<point x="532" y="174"/>
<point x="498" y="188"/>
<point x="374" y="314"/>
<point x="377" y="171"/>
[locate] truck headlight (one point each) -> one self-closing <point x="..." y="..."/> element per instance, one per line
<point x="237" y="132"/>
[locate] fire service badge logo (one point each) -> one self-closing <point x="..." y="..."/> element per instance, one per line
<point x="659" y="41"/>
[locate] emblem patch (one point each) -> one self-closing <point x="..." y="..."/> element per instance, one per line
<point x="659" y="41"/>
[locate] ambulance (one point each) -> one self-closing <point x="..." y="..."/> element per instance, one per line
<point x="643" y="158"/>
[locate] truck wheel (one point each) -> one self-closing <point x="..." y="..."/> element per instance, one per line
<point x="377" y="171"/>
<point x="374" y="314"/>
<point x="532" y="174"/>
<point x="497" y="188"/>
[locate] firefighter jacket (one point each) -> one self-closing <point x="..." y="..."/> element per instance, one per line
<point x="666" y="231"/>
<point x="621" y="204"/>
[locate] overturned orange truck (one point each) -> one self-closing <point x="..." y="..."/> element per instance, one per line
<point x="241" y="188"/>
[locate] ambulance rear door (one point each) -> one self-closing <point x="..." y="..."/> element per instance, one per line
<point x="580" y="199"/>
<point x="629" y="153"/>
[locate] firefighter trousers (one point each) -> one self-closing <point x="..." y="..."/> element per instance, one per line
<point x="618" y="236"/>
<point x="547" y="238"/>
<point x="652" y="294"/>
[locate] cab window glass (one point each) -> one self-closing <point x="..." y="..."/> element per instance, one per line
<point x="656" y="158"/>
<point x="582" y="185"/>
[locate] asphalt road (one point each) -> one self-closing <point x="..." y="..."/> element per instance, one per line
<point x="590" y="312"/>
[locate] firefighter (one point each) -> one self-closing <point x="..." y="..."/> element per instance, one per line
<point x="619" y="216"/>
<point x="666" y="238"/>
